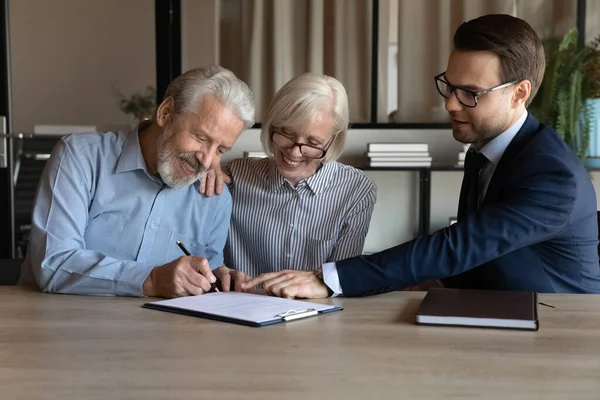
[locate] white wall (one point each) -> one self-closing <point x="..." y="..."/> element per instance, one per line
<point x="66" y="55"/>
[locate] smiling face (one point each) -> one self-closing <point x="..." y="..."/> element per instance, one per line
<point x="191" y="142"/>
<point x="495" y="111"/>
<point x="291" y="163"/>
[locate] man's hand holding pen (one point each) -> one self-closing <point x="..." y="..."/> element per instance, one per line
<point x="185" y="276"/>
<point x="190" y="276"/>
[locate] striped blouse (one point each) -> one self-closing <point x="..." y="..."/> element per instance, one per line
<point x="276" y="226"/>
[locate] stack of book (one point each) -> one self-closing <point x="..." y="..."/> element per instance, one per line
<point x="462" y="155"/>
<point x="255" y="154"/>
<point x="399" y="155"/>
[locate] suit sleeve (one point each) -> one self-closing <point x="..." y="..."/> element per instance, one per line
<point x="532" y="209"/>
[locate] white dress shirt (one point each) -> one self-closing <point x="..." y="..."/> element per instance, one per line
<point x="493" y="151"/>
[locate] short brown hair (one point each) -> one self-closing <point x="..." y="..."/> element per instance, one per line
<point x="513" y="40"/>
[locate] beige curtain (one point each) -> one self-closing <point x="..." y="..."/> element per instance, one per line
<point x="280" y="39"/>
<point x="592" y="20"/>
<point x="425" y="30"/>
<point x="267" y="42"/>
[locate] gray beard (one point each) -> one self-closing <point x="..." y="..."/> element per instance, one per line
<point x="166" y="159"/>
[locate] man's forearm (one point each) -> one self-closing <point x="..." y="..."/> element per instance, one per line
<point x="91" y="273"/>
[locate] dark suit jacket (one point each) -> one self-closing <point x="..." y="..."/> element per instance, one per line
<point x="536" y="230"/>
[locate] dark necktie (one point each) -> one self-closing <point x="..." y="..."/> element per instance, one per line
<point x="469" y="191"/>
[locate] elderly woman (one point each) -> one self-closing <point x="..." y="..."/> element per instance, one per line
<point x="298" y="208"/>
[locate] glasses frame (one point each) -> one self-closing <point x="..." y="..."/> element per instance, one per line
<point x="475" y="95"/>
<point x="301" y="145"/>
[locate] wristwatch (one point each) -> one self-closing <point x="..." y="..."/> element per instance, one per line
<point x="319" y="274"/>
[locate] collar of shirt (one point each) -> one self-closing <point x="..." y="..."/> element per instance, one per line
<point x="496" y="147"/>
<point x="316" y="183"/>
<point x="131" y="157"/>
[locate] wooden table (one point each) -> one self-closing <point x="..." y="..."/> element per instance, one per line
<point x="58" y="347"/>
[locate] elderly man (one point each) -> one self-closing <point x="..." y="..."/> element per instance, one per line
<point x="112" y="206"/>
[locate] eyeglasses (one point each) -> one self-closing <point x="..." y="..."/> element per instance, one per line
<point x="307" y="150"/>
<point x="466" y="97"/>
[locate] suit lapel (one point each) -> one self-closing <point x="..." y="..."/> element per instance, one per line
<point x="463" y="199"/>
<point x="472" y="278"/>
<point x="527" y="131"/>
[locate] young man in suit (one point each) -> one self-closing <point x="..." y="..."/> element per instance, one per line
<point x="527" y="208"/>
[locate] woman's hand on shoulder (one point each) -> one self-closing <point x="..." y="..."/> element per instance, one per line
<point x="212" y="181"/>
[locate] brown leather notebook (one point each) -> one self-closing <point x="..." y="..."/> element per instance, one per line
<point x="479" y="308"/>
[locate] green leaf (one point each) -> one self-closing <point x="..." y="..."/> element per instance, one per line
<point x="569" y="79"/>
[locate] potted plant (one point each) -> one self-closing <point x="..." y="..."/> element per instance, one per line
<point x="140" y="104"/>
<point x="561" y="101"/>
<point x="591" y="73"/>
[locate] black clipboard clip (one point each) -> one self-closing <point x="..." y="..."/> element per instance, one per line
<point x="297" y="314"/>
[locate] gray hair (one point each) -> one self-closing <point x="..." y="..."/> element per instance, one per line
<point x="298" y="101"/>
<point x="189" y="88"/>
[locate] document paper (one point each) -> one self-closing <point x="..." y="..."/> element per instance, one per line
<point x="242" y="306"/>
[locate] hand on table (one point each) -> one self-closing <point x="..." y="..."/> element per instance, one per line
<point x="290" y="284"/>
<point x="226" y="275"/>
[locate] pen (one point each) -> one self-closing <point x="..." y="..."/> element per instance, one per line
<point x="187" y="253"/>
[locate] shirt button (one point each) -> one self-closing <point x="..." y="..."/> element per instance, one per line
<point x="288" y="255"/>
<point x="152" y="226"/>
<point x="291" y="224"/>
<point x="193" y="244"/>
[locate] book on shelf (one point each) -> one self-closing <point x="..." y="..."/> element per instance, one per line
<point x="401" y="159"/>
<point x="400" y="164"/>
<point x="398" y="147"/>
<point x="399" y="155"/>
<point x="255" y="154"/>
<point x="404" y="154"/>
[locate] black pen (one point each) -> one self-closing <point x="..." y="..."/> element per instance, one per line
<point x="187" y="253"/>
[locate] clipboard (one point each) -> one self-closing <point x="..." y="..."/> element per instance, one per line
<point x="243" y="308"/>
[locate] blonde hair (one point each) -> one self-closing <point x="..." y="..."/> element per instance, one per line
<point x="298" y="102"/>
<point x="188" y="89"/>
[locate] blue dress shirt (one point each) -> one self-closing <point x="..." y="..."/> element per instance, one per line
<point x="101" y="222"/>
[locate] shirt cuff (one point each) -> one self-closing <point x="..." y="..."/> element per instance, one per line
<point x="332" y="279"/>
<point x="131" y="280"/>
